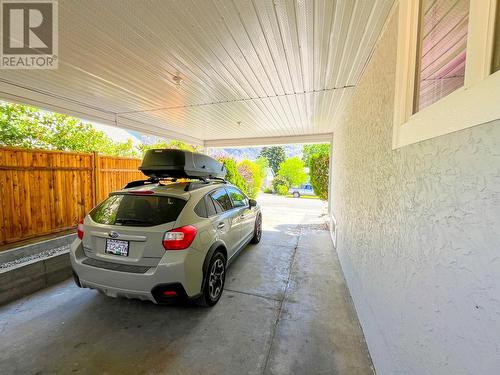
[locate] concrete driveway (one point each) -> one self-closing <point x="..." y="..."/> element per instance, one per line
<point x="285" y="310"/>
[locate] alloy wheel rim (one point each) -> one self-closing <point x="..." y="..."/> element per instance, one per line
<point x="216" y="279"/>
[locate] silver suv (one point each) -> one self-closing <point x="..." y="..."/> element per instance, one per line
<point x="165" y="242"/>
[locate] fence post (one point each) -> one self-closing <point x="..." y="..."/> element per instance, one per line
<point x="95" y="176"/>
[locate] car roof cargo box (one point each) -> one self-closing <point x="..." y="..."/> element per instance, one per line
<point x="162" y="163"/>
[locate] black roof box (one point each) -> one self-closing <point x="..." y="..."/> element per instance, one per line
<point x="162" y="163"/>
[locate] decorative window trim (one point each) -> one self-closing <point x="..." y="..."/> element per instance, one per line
<point x="474" y="104"/>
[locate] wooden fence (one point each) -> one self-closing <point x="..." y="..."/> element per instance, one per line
<point x="43" y="192"/>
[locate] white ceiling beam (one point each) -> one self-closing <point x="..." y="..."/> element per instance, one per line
<point x="141" y="127"/>
<point x="265" y="141"/>
<point x="17" y="94"/>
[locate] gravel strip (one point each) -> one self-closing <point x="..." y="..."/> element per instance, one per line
<point x="40" y="255"/>
<point x="318" y="226"/>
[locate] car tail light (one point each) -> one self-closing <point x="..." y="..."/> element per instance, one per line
<point x="170" y="293"/>
<point x="179" y="238"/>
<point x="79" y="230"/>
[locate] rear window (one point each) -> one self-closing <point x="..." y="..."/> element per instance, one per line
<point x="210" y="206"/>
<point x="137" y="210"/>
<point x="201" y="209"/>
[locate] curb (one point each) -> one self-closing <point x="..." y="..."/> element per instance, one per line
<point x="34" y="248"/>
<point x="31" y="276"/>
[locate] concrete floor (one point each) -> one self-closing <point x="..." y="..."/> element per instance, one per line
<point x="285" y="310"/>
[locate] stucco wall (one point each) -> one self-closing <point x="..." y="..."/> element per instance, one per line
<point x="418" y="233"/>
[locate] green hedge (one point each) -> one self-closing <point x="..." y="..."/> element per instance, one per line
<point x="319" y="165"/>
<point x="233" y="175"/>
<point x="281" y="185"/>
<point x="253" y="176"/>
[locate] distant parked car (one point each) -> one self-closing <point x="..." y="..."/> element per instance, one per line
<point x="305" y="189"/>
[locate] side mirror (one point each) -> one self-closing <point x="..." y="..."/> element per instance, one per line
<point x="252" y="203"/>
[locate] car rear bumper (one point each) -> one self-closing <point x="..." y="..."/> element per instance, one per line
<point x="181" y="268"/>
<point x="117" y="292"/>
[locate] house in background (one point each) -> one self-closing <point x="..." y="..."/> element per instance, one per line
<point x="268" y="180"/>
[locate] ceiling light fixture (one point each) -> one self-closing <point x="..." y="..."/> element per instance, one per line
<point x="177" y="81"/>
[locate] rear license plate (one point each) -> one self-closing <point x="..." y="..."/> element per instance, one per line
<point x="117" y="247"/>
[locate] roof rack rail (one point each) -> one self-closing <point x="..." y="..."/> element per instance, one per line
<point x="156" y="180"/>
<point x="215" y="179"/>
<point x="136" y="183"/>
<point x="219" y="180"/>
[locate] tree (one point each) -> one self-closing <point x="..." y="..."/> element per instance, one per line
<point x="315" y="149"/>
<point x="19" y="126"/>
<point x="281" y="185"/>
<point x="125" y="149"/>
<point x="28" y="127"/>
<point x="275" y="155"/>
<point x="233" y="175"/>
<point x="318" y="170"/>
<point x="70" y="134"/>
<point x="176" y="145"/>
<point x="263" y="165"/>
<point x="293" y="170"/>
<point x="252" y="174"/>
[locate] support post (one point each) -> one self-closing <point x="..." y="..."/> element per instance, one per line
<point x="330" y="165"/>
<point x="95" y="177"/>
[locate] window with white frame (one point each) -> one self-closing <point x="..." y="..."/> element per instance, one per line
<point x="442" y="50"/>
<point x="448" y="67"/>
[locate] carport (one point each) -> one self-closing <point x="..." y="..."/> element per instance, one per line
<point x="413" y="211"/>
<point x="212" y="73"/>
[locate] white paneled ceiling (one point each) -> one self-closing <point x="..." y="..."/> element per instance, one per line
<point x="249" y="68"/>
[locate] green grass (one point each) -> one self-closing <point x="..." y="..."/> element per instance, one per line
<point x="304" y="196"/>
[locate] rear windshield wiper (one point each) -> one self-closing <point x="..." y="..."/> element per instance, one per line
<point x="125" y="220"/>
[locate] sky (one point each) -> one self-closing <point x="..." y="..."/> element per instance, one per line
<point x="117" y="134"/>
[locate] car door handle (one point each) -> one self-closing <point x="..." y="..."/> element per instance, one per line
<point x="242" y="216"/>
<point x="221" y="225"/>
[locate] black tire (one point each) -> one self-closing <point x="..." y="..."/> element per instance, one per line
<point x="257" y="232"/>
<point x="210" y="295"/>
<point x="296" y="194"/>
<point x="77" y="280"/>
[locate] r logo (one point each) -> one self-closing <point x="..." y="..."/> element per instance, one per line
<point x="29" y="34"/>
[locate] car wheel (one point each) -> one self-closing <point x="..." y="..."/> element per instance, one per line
<point x="296" y="194"/>
<point x="77" y="280"/>
<point x="214" y="280"/>
<point x="257" y="232"/>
